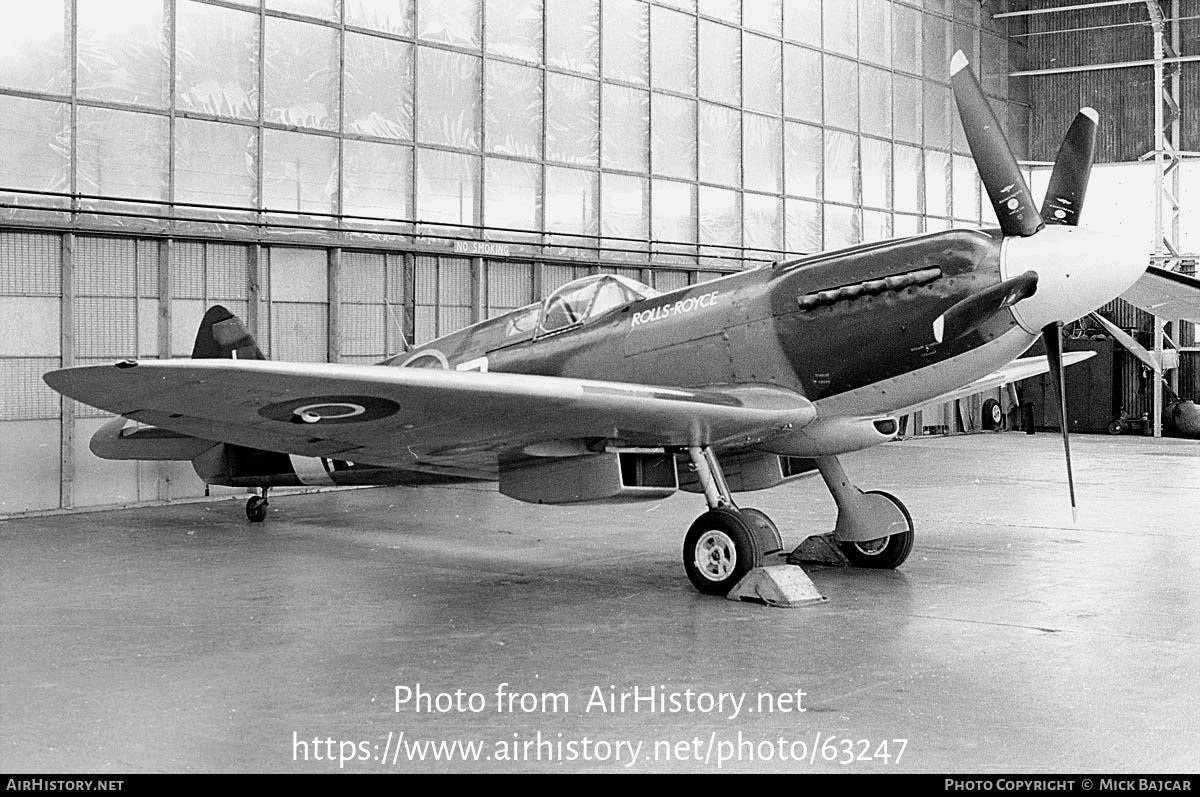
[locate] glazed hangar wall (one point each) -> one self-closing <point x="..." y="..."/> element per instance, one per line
<point x="350" y="175"/>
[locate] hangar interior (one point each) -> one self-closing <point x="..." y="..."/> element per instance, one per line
<point x="353" y="176"/>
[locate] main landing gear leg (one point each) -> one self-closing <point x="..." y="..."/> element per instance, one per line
<point x="873" y="529"/>
<point x="725" y="543"/>
<point x="256" y="507"/>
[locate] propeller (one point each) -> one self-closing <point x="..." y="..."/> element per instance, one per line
<point x="1019" y="219"/>
<point x="1052" y="340"/>
<point x="1072" y="168"/>
<point x="994" y="159"/>
<point x="1170" y="357"/>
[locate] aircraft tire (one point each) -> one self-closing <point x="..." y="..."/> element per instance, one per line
<point x="719" y="549"/>
<point x="885" y="553"/>
<point x="993" y="416"/>
<point x="769" y="538"/>
<point x="256" y="509"/>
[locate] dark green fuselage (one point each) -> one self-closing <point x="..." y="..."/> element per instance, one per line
<point x="823" y="325"/>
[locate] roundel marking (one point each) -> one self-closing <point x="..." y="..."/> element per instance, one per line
<point x="426" y="358"/>
<point x="336" y="410"/>
<point x="331" y="409"/>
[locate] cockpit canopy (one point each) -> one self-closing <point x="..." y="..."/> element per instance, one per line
<point x="578" y="302"/>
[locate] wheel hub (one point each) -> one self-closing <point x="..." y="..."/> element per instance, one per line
<point x="716" y="555"/>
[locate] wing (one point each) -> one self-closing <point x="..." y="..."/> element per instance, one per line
<point x="459" y="422"/>
<point x="1166" y="294"/>
<point x="1013" y="372"/>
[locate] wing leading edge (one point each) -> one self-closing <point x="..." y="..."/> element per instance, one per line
<point x="1166" y="294"/>
<point x="401" y="417"/>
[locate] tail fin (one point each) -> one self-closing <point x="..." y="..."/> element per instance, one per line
<point x="222" y="335"/>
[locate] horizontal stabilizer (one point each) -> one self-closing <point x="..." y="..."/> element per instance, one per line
<point x="122" y="438"/>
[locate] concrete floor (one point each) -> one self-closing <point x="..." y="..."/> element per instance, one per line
<point x="184" y="639"/>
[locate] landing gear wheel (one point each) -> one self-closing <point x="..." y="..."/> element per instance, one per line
<point x="769" y="539"/>
<point x="993" y="417"/>
<point x="1116" y="427"/>
<point x="719" y="549"/>
<point x="885" y="553"/>
<point x="256" y="509"/>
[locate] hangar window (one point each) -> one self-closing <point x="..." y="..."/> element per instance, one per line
<point x="587" y="298"/>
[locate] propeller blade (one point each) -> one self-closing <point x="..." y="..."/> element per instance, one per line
<point x="1072" y="167"/>
<point x="1135" y="348"/>
<point x="993" y="158"/>
<point x="1052" y="340"/>
<point x="972" y="312"/>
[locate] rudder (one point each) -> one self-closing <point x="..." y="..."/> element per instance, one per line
<point x="222" y="335"/>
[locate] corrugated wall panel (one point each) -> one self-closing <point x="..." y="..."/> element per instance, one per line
<point x="426" y="290"/>
<point x="105" y="266"/>
<point x="670" y="280"/>
<point x="452" y="319"/>
<point x="426" y="324"/>
<point x="396" y="289"/>
<point x="187" y="270"/>
<point x="1189" y="90"/>
<point x="1189" y="375"/>
<point x="147" y="268"/>
<point x="227" y="272"/>
<point x="105" y="327"/>
<point x="454" y="281"/>
<point x="30" y="264"/>
<point x="363" y="331"/>
<point x="509" y="285"/>
<point x="300" y="332"/>
<point x="361" y="279"/>
<point x="25" y="396"/>
<point x="555" y="276"/>
<point x="1124" y="97"/>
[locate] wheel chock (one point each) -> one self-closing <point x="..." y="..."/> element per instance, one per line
<point x="786" y="586"/>
<point x="819" y="549"/>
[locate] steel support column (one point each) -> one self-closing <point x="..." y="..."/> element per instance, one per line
<point x="1166" y="163"/>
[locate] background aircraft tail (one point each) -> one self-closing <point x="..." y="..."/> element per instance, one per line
<point x="222" y="335"/>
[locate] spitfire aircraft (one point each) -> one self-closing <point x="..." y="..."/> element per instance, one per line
<point x="609" y="391"/>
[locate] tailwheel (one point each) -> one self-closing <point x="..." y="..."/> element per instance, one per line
<point x="256" y="508"/>
<point x="884" y="553"/>
<point x="719" y="549"/>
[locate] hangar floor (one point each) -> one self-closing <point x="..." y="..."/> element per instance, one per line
<point x="184" y="639"/>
